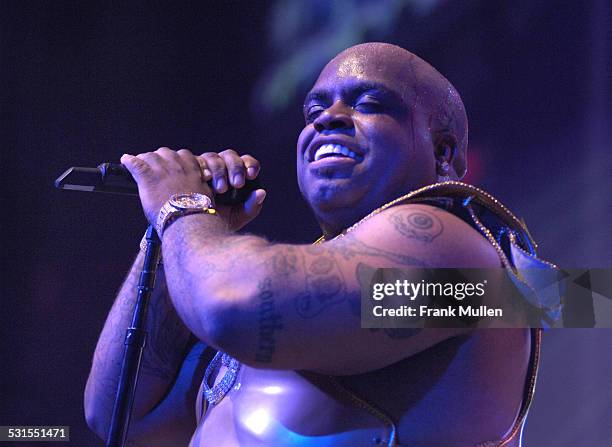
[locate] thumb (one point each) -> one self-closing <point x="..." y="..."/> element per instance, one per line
<point x="254" y="204"/>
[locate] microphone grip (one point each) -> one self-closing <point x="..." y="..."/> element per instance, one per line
<point x="115" y="175"/>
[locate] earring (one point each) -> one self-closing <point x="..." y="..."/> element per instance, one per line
<point x="444" y="169"/>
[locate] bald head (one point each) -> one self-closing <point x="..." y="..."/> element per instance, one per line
<point x="420" y="85"/>
<point x="379" y="122"/>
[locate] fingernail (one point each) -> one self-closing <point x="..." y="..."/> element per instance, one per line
<point x="262" y="198"/>
<point x="207" y="173"/>
<point x="220" y="184"/>
<point x="126" y="155"/>
<point x="251" y="171"/>
<point x="238" y="180"/>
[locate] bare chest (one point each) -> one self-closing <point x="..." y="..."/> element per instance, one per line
<point x="472" y="391"/>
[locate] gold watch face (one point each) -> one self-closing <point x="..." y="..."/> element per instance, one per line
<point x="192" y="200"/>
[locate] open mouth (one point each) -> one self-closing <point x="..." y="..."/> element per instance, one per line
<point x="335" y="150"/>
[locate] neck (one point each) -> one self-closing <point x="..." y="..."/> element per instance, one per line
<point x="333" y="224"/>
<point x="336" y="217"/>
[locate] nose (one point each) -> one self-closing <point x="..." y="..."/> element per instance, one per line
<point x="335" y="117"/>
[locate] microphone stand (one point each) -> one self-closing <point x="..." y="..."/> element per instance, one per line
<point x="135" y="340"/>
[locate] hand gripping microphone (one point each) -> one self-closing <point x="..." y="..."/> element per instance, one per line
<point x="114" y="178"/>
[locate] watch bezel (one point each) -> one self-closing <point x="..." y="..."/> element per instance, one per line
<point x="203" y="202"/>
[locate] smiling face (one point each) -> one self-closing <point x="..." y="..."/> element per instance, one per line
<point x="368" y="136"/>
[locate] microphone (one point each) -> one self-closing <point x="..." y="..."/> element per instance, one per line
<point x="114" y="178"/>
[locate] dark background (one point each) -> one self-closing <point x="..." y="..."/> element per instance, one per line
<point x="84" y="82"/>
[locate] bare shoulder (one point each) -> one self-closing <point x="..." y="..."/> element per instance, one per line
<point x="431" y="234"/>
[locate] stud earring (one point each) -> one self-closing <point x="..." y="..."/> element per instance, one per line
<point x="444" y="169"/>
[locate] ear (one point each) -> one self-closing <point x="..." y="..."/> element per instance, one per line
<point x="444" y="153"/>
<point x="448" y="149"/>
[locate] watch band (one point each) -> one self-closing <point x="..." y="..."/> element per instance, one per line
<point x="143" y="248"/>
<point x="161" y="227"/>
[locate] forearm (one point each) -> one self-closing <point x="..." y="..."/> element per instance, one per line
<point x="285" y="306"/>
<point x="209" y="267"/>
<point x="167" y="342"/>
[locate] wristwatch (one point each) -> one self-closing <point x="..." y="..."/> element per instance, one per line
<point x="182" y="205"/>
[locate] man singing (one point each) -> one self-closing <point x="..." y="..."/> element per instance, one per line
<point x="253" y="343"/>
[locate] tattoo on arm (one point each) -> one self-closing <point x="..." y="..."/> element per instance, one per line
<point x="162" y="353"/>
<point x="104" y="377"/>
<point x="352" y="247"/>
<point x="364" y="274"/>
<point x="166" y="333"/>
<point x="312" y="273"/>
<point x="324" y="284"/>
<point x="420" y="225"/>
<point x="269" y="322"/>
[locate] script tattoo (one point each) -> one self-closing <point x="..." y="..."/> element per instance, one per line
<point x="419" y="225"/>
<point x="269" y="321"/>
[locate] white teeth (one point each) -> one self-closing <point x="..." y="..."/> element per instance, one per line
<point x="327" y="149"/>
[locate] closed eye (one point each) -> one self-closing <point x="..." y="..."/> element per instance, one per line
<point x="371" y="101"/>
<point x="312" y="112"/>
<point x="369" y="106"/>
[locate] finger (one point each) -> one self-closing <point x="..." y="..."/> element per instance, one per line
<point x="136" y="166"/>
<point x="154" y="161"/>
<point x="235" y="167"/>
<point x="206" y="174"/>
<point x="169" y="161"/>
<point x="252" y="166"/>
<point x="164" y="150"/>
<point x="166" y="153"/>
<point x="189" y="162"/>
<point x="218" y="169"/>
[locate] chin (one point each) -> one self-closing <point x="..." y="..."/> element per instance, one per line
<point x="329" y="197"/>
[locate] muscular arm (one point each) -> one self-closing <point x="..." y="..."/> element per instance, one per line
<point x="297" y="306"/>
<point x="165" y="352"/>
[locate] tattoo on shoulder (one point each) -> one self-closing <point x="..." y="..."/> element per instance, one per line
<point x="421" y="225"/>
<point x="351" y="247"/>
